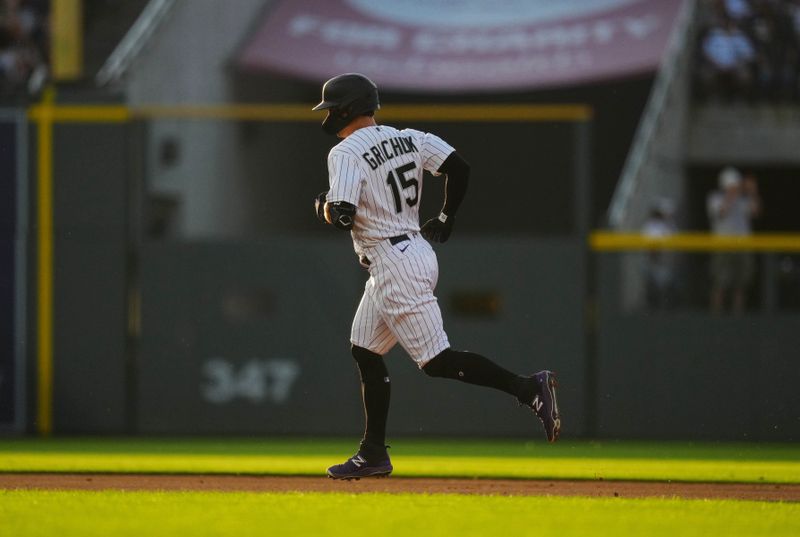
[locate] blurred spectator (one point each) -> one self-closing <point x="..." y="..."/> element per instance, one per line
<point x="793" y="52"/>
<point x="731" y="210"/>
<point x="728" y="60"/>
<point x="738" y="10"/>
<point x="774" y="37"/>
<point x="749" y="50"/>
<point x="660" y="282"/>
<point x="793" y="10"/>
<point x="23" y="46"/>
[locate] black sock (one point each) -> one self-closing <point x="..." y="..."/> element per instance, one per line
<point x="476" y="369"/>
<point x="376" y="393"/>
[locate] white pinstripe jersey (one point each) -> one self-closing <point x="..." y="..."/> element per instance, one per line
<point x="379" y="169"/>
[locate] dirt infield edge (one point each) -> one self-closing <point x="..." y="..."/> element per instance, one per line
<point x="397" y="485"/>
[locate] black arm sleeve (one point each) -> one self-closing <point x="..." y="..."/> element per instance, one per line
<point x="457" y="171"/>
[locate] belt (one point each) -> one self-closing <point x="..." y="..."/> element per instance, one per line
<point x="398" y="239"/>
<point x="392" y="240"/>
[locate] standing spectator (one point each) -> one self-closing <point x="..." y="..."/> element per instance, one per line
<point x="731" y="210"/>
<point x="659" y="268"/>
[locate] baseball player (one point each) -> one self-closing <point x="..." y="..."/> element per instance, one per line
<point x="376" y="175"/>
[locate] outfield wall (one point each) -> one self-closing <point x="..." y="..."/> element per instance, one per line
<point x="254" y="338"/>
<point x="89" y="302"/>
<point x="685" y="372"/>
<point x="139" y="333"/>
<point x="13" y="267"/>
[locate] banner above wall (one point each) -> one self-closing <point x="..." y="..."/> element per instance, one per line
<point x="462" y="45"/>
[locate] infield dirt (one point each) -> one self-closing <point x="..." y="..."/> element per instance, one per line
<point x="503" y="487"/>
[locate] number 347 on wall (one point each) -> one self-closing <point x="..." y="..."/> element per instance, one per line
<point x="256" y="380"/>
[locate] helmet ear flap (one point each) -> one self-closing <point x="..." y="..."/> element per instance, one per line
<point x="337" y="119"/>
<point x="344" y="112"/>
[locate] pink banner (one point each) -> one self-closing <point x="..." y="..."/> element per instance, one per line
<point x="462" y="45"/>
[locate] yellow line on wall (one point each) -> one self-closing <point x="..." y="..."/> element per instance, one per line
<point x="487" y="112"/>
<point x="85" y="113"/>
<point x="302" y="112"/>
<point x="425" y="112"/>
<point x="604" y="241"/>
<point x="242" y="112"/>
<point x="416" y="112"/>
<point x="44" y="422"/>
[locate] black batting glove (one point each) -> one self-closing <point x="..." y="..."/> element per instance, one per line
<point x="438" y="229"/>
<point x="319" y="206"/>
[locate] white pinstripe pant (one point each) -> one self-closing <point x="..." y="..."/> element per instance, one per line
<point x="398" y="303"/>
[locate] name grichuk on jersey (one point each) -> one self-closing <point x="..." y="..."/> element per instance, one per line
<point x="379" y="169"/>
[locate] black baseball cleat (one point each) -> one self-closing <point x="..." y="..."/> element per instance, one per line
<point x="544" y="403"/>
<point x="362" y="464"/>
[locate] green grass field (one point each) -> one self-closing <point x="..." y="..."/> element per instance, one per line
<point x="26" y="512"/>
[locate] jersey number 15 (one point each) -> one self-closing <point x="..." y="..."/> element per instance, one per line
<point x="398" y="181"/>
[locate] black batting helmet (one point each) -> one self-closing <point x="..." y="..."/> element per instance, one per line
<point x="346" y="97"/>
